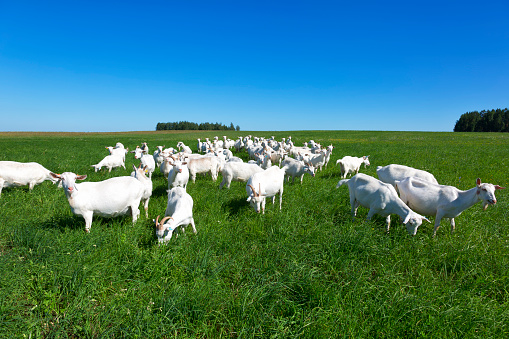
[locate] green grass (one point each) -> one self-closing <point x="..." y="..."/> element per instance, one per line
<point x="305" y="271"/>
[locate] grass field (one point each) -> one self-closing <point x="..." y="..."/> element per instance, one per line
<point x="305" y="271"/>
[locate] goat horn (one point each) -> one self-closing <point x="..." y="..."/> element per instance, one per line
<point x="161" y="224"/>
<point x="252" y="189"/>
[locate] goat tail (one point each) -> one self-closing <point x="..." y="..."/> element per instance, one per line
<point x="342" y="182"/>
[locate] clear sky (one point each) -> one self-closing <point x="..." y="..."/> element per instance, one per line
<point x="98" y="66"/>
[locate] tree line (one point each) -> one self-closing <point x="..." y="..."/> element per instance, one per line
<point x="495" y="120"/>
<point x="186" y="125"/>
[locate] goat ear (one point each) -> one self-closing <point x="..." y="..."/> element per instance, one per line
<point x="81" y="177"/>
<point x="478" y="181"/>
<point x="55" y="175"/>
<point x="499" y="187"/>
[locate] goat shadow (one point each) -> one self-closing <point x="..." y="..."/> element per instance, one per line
<point x="236" y="205"/>
<point x="62" y="223"/>
<point x="160" y="191"/>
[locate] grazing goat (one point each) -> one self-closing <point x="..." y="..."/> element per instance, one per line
<point x="392" y="173"/>
<point x="265" y="184"/>
<point x="238" y="171"/>
<point x="380" y="198"/>
<point x="111" y="161"/>
<point x="118" y="150"/>
<point x="297" y="168"/>
<point x="14" y="173"/>
<point x="179" y="212"/>
<point x="109" y="198"/>
<point x="139" y="173"/>
<point x="444" y="201"/>
<point x="350" y="164"/>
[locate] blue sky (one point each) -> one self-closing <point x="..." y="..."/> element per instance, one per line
<point x="98" y="66"/>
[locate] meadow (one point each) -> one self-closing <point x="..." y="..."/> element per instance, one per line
<point x="307" y="271"/>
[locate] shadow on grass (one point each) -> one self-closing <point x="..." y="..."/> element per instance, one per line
<point x="160" y="191"/>
<point x="61" y="223"/>
<point x="236" y="206"/>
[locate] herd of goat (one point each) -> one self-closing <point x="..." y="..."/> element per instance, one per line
<point x="272" y="163"/>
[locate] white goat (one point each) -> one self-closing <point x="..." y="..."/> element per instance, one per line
<point x="146" y="160"/>
<point x="394" y="172"/>
<point x="144" y="147"/>
<point x="263" y="160"/>
<point x="317" y="160"/>
<point x="108" y="198"/>
<point x="179" y="212"/>
<point x="263" y="185"/>
<point x="444" y="201"/>
<point x="238" y="171"/>
<point x="159" y="156"/>
<point x="206" y="164"/>
<point x="239" y="144"/>
<point x="297" y="168"/>
<point x="380" y="198"/>
<point x="328" y="154"/>
<point x="14" y="173"/>
<point x="350" y="164"/>
<point x="166" y="166"/>
<point x="178" y="175"/>
<point x="110" y="161"/>
<point x="118" y="150"/>
<point x="185" y="149"/>
<point x="139" y="173"/>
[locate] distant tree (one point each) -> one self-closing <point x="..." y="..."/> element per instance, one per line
<point x="237" y="128"/>
<point x="484" y="121"/>
<point x="186" y="125"/>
